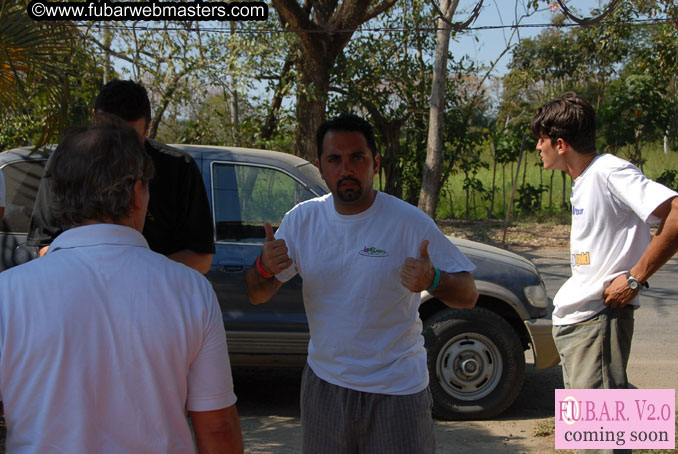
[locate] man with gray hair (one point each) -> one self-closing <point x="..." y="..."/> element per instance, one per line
<point x="104" y="344"/>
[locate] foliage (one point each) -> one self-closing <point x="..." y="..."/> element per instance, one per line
<point x="669" y="178"/>
<point x="383" y="75"/>
<point x="210" y="124"/>
<point x="636" y="110"/>
<point x="628" y="72"/>
<point x="34" y="63"/>
<point x="321" y="31"/>
<point x="529" y="198"/>
<point x="251" y="84"/>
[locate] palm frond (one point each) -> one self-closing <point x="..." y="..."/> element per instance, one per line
<point x="35" y="55"/>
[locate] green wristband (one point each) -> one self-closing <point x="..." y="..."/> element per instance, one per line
<point x="436" y="281"/>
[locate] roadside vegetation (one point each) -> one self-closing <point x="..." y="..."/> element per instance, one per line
<point x="540" y="196"/>
<point x="267" y="84"/>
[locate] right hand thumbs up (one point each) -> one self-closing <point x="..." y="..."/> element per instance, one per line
<point x="274" y="256"/>
<point x="269" y="232"/>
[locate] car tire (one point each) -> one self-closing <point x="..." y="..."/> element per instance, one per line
<point x="476" y="363"/>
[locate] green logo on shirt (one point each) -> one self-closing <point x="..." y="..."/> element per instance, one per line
<point x="373" y="252"/>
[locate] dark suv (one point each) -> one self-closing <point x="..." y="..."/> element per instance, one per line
<point x="476" y="356"/>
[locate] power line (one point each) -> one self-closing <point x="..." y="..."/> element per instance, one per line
<point x="249" y="31"/>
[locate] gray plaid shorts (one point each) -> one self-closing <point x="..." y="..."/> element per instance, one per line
<point x="337" y="420"/>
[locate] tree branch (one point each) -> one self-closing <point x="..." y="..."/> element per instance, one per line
<point x="313" y="38"/>
<point x="587" y="21"/>
<point x="296" y="16"/>
<point x="378" y="9"/>
<point x="456" y="26"/>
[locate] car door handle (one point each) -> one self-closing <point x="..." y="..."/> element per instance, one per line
<point x="230" y="268"/>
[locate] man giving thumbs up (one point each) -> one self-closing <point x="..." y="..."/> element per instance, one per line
<point x="364" y="257"/>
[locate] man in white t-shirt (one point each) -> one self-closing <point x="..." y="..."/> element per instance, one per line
<point x="105" y="345"/>
<point x="364" y="257"/>
<point x="612" y="252"/>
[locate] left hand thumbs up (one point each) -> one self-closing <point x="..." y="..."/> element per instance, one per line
<point x="417" y="274"/>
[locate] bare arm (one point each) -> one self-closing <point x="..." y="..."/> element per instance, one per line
<point x="274" y="259"/>
<point x="260" y="289"/>
<point x="457" y="290"/>
<point x="218" y="431"/>
<point x="662" y="247"/>
<point x="454" y="289"/>
<point x="195" y="260"/>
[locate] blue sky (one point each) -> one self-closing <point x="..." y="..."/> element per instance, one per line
<point x="492" y="42"/>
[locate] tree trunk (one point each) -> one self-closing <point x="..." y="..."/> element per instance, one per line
<point x="503" y="188"/>
<point x="390" y="161"/>
<point x="108" y="68"/>
<point x="551" y="193"/>
<point x="233" y="105"/>
<point x="432" y="171"/>
<point x="490" y="212"/>
<point x="564" y="201"/>
<point x="468" y="198"/>
<point x="311" y="100"/>
<point x="323" y="27"/>
<point x="272" y="117"/>
<point x="166" y="97"/>
<point x="234" y="110"/>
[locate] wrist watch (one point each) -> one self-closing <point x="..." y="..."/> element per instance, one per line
<point x="633" y="283"/>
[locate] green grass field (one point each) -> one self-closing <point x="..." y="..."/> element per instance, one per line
<point x="530" y="202"/>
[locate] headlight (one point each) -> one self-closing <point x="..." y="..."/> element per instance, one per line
<point x="536" y="295"/>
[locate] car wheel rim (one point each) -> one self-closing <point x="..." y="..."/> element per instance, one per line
<point x="469" y="366"/>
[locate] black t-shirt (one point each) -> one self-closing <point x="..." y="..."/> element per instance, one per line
<point x="178" y="215"/>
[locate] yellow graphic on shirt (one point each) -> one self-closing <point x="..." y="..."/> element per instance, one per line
<point x="581" y="259"/>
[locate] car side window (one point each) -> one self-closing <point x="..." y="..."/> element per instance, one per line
<point x="247" y="196"/>
<point x="22" y="180"/>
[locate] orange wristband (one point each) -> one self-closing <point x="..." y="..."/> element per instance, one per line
<point x="262" y="272"/>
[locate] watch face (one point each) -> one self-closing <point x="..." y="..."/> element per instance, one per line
<point x="633" y="283"/>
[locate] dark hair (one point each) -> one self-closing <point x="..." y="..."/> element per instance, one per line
<point x="570" y="118"/>
<point x="93" y="173"/>
<point x="124" y="98"/>
<point x="347" y="123"/>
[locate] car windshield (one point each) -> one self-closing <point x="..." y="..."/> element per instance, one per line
<point x="313" y="173"/>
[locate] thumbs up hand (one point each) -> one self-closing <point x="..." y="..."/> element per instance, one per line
<point x="417" y="274"/>
<point x="274" y="256"/>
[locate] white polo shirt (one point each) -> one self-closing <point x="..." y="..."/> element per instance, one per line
<point x="105" y="344"/>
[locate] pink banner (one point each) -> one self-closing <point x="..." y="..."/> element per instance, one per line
<point x="615" y="418"/>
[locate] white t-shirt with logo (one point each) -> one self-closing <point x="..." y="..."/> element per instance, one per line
<point x="612" y="205"/>
<point x="365" y="328"/>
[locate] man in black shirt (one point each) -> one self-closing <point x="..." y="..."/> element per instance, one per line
<point x="178" y="221"/>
